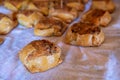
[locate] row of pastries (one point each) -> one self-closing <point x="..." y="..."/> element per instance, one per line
<point x="51" y="18"/>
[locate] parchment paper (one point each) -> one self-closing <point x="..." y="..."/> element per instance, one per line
<point x="79" y="63"/>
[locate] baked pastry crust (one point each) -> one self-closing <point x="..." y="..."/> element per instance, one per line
<point x="16" y="5"/>
<point x="29" y="18"/>
<point x="42" y="6"/>
<point x="97" y="17"/>
<point x="50" y="27"/>
<point x="7" y="23"/>
<point x="107" y="5"/>
<point x="75" y="4"/>
<point x="40" y="55"/>
<point x="62" y="12"/>
<point x="83" y="34"/>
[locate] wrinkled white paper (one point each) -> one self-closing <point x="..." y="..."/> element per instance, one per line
<point x="79" y="63"/>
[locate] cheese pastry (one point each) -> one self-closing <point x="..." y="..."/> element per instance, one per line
<point x="29" y="18"/>
<point x="107" y="5"/>
<point x="50" y="27"/>
<point x="83" y="34"/>
<point x="97" y="17"/>
<point x="7" y="23"/>
<point x="40" y="55"/>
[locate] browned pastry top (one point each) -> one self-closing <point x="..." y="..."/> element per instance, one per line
<point x="95" y="13"/>
<point x="42" y="47"/>
<point x="50" y="22"/>
<point x="93" y="16"/>
<point x="84" y="28"/>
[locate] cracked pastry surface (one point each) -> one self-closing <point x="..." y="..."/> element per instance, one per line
<point x="50" y="27"/>
<point x="7" y="23"/>
<point x="83" y="34"/>
<point x="40" y="55"/>
<point x="97" y="17"/>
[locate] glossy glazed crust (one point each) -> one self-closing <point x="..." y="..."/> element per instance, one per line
<point x="107" y="5"/>
<point x="93" y="38"/>
<point x="7" y="24"/>
<point x="40" y="55"/>
<point x="97" y="17"/>
<point x="29" y="18"/>
<point x="50" y="27"/>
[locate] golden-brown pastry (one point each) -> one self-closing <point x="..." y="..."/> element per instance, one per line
<point x="107" y="5"/>
<point x="75" y="4"/>
<point x="62" y="12"/>
<point x="97" y="17"/>
<point x="29" y="18"/>
<point x="7" y="23"/>
<point x="16" y="5"/>
<point x="83" y="34"/>
<point x="40" y="55"/>
<point x="50" y="27"/>
<point x="1" y="40"/>
<point x="40" y="5"/>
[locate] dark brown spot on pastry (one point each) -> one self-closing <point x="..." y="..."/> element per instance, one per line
<point x="2" y="15"/>
<point x="84" y="28"/>
<point x="42" y="47"/>
<point x="1" y="40"/>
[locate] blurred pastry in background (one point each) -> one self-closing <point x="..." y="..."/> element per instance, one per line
<point x="50" y="27"/>
<point x="97" y="17"/>
<point x="83" y="34"/>
<point x="16" y="5"/>
<point x="107" y="5"/>
<point x="29" y="18"/>
<point x="59" y="10"/>
<point x="7" y="23"/>
<point x="40" y="55"/>
<point x="40" y="5"/>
